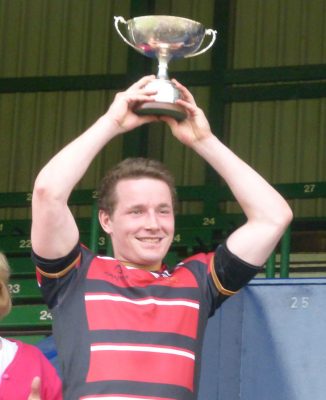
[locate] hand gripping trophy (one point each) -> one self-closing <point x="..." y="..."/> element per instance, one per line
<point x="166" y="38"/>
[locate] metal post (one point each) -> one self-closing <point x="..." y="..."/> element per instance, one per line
<point x="109" y="248"/>
<point x="285" y="254"/>
<point x="270" y="266"/>
<point x="95" y="228"/>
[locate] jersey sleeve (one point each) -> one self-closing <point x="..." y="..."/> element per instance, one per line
<point x="53" y="275"/>
<point x="58" y="267"/>
<point x="219" y="274"/>
<point x="229" y="272"/>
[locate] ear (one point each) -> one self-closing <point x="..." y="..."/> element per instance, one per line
<point x="5" y="300"/>
<point x="105" y="221"/>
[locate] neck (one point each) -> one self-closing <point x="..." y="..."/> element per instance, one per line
<point x="153" y="268"/>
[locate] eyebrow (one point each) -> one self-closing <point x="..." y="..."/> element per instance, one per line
<point x="141" y="205"/>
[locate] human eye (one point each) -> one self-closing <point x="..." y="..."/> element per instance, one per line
<point x="136" y="211"/>
<point x="165" y="210"/>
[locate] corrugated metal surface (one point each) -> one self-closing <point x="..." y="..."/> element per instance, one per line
<point x="279" y="33"/>
<point x="75" y="37"/>
<point x="65" y="37"/>
<point x="285" y="141"/>
<point x="54" y="38"/>
<point x="37" y="125"/>
<point x="60" y="37"/>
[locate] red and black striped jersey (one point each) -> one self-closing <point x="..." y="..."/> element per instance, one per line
<point x="128" y="333"/>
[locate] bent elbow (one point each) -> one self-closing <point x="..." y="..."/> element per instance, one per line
<point x="41" y="190"/>
<point x="287" y="215"/>
<point x="283" y="218"/>
<point x="45" y="191"/>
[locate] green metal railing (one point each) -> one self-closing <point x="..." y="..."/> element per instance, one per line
<point x="209" y="222"/>
<point x="289" y="191"/>
<point x="285" y="249"/>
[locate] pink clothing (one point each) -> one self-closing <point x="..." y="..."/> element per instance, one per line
<point x="29" y="362"/>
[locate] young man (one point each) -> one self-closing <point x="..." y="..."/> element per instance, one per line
<point x="128" y="327"/>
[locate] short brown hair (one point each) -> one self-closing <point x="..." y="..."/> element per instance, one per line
<point x="5" y="299"/>
<point x="132" y="168"/>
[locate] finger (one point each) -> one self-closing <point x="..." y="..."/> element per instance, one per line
<point x="147" y="91"/>
<point x="170" y="121"/>
<point x="149" y="118"/>
<point x="191" y="108"/>
<point x="141" y="98"/>
<point x="185" y="93"/>
<point x="35" y="388"/>
<point x="140" y="92"/>
<point x="142" y="82"/>
<point x="36" y="384"/>
<point x="132" y="97"/>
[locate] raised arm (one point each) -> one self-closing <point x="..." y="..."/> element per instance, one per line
<point x="268" y="214"/>
<point x="54" y="230"/>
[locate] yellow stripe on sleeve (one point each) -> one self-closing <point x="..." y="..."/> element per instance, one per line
<point x="217" y="282"/>
<point x="60" y="274"/>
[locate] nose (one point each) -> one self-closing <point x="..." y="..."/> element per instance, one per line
<point x="152" y="220"/>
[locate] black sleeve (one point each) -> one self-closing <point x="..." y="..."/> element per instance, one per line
<point x="56" y="265"/>
<point x="232" y="272"/>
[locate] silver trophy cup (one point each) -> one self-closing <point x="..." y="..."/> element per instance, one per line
<point x="166" y="38"/>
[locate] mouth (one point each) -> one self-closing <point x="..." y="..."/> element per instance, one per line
<point x="151" y="240"/>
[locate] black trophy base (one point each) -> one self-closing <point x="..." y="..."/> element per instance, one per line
<point x="162" y="108"/>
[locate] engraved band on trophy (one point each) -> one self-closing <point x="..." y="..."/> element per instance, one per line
<point x="166" y="38"/>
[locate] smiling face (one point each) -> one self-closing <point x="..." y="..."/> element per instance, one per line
<point x="142" y="224"/>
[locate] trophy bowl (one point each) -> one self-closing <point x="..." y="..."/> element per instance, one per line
<point x="165" y="38"/>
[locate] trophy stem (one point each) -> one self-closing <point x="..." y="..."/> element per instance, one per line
<point x="162" y="70"/>
<point x="163" y="60"/>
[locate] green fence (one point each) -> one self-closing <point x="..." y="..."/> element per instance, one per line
<point x="194" y="231"/>
<point x="30" y="320"/>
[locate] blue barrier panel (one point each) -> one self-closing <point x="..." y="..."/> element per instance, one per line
<point x="267" y="343"/>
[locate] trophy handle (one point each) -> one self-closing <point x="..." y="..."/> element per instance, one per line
<point x="207" y="32"/>
<point x="116" y="24"/>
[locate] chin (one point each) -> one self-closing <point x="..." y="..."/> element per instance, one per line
<point x="149" y="261"/>
<point x="151" y="256"/>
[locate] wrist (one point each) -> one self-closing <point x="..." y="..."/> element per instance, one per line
<point x="205" y="141"/>
<point x="109" y="125"/>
